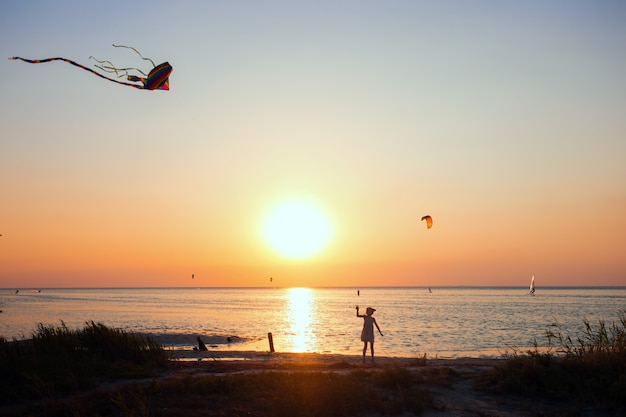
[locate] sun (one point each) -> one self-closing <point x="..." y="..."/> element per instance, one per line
<point x="296" y="229"/>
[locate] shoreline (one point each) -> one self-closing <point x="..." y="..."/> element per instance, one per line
<point x="253" y="360"/>
<point x="225" y="346"/>
<point x="240" y="349"/>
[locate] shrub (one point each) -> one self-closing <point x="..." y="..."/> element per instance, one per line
<point x="57" y="360"/>
<point x="588" y="369"/>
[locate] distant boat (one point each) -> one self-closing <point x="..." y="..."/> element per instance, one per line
<point x="429" y="290"/>
<point x="532" y="286"/>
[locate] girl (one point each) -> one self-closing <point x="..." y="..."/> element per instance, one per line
<point x="367" y="334"/>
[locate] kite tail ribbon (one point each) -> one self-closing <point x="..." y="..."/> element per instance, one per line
<point x="40" y="61"/>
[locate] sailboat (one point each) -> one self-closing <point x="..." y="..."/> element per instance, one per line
<point x="532" y="285"/>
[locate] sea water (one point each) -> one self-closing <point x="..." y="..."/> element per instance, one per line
<point x="447" y="322"/>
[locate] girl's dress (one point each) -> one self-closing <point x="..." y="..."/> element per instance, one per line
<point x="367" y="334"/>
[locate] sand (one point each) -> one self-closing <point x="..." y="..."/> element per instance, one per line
<point x="459" y="398"/>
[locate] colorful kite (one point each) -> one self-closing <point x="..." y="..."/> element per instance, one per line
<point x="429" y="221"/>
<point x="157" y="79"/>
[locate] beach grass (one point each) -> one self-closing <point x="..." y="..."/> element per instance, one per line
<point x="587" y="369"/>
<point x="57" y="361"/>
<point x="389" y="390"/>
<point x="61" y="372"/>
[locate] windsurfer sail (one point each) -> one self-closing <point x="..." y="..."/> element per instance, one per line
<point x="532" y="285"/>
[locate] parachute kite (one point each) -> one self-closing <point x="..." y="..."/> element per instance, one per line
<point x="157" y="78"/>
<point x="429" y="221"/>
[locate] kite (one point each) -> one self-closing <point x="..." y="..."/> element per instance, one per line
<point x="429" y="221"/>
<point x="157" y="78"/>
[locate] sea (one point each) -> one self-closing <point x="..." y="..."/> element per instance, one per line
<point x="440" y="322"/>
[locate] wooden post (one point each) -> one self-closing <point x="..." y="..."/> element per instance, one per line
<point x="271" y="340"/>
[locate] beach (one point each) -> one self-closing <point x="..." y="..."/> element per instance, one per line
<point x="234" y="383"/>
<point x="455" y="398"/>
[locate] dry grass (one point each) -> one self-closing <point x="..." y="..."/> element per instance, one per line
<point x="385" y="391"/>
<point x="98" y="371"/>
<point x="58" y="361"/>
<point x="588" y="369"/>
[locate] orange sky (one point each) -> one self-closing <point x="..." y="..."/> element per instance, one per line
<point x="506" y="124"/>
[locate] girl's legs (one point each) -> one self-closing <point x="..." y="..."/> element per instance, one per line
<point x="365" y="350"/>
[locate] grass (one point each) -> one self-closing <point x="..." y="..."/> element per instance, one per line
<point x="58" y="361"/>
<point x="63" y="372"/>
<point x="588" y="369"/>
<point x="387" y="391"/>
<point x="306" y="394"/>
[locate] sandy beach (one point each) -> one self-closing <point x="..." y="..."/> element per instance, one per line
<point x="450" y="383"/>
<point x="458" y="398"/>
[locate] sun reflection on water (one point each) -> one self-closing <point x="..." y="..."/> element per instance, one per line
<point x="300" y="316"/>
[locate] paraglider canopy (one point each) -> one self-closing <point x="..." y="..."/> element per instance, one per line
<point x="429" y="221"/>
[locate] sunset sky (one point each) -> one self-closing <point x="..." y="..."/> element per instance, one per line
<point x="504" y="121"/>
